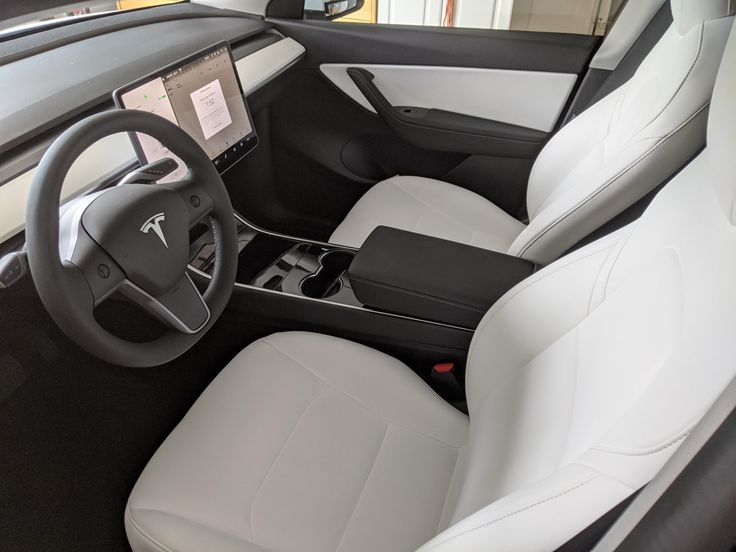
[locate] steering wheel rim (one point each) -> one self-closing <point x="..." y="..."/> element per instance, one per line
<point x="70" y="292"/>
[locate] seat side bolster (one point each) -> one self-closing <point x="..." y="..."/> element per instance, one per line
<point x="546" y="305"/>
<point x="581" y="211"/>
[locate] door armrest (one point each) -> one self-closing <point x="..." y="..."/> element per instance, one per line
<point x="440" y="130"/>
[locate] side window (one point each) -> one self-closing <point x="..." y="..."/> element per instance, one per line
<point x="591" y="17"/>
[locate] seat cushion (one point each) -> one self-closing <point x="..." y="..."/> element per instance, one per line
<point x="303" y="442"/>
<point x="430" y="207"/>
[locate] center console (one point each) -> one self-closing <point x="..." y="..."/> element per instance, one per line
<point x="395" y="274"/>
<point x="284" y="264"/>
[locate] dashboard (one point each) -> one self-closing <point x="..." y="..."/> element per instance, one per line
<point x="81" y="72"/>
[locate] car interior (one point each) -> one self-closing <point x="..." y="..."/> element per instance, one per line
<point x="275" y="282"/>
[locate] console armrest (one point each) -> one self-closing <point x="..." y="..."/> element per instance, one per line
<point x="430" y="278"/>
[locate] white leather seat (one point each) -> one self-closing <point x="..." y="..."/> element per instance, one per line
<point x="300" y="444"/>
<point x="595" y="167"/>
<point x="581" y="382"/>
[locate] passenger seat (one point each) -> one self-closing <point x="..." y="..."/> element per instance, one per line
<point x="595" y="167"/>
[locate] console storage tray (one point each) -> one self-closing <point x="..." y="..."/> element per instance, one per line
<point x="430" y="278"/>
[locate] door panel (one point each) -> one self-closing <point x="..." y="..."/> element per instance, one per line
<point x="532" y="99"/>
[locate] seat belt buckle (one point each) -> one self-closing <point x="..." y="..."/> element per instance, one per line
<point x="443" y="368"/>
<point x="444" y="381"/>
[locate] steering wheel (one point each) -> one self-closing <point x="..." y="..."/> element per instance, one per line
<point x="132" y="238"/>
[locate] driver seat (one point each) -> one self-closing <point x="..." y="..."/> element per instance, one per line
<point x="581" y="381"/>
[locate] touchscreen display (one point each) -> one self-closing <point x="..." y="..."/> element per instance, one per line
<point x="203" y="96"/>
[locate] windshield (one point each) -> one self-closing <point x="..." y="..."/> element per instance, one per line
<point x="30" y="14"/>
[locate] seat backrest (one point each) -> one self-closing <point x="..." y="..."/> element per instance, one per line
<point x="632" y="140"/>
<point x="584" y="379"/>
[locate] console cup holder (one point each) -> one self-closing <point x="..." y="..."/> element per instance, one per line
<point x="327" y="280"/>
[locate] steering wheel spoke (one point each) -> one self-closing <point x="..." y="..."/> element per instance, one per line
<point x="183" y="308"/>
<point x="198" y="202"/>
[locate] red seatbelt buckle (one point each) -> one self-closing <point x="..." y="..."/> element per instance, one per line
<point x="444" y="382"/>
<point x="443" y="368"/>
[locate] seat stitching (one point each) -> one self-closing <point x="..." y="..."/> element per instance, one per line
<point x="673" y="96"/>
<point x="600" y="283"/>
<point x="472" y="236"/>
<point x="684" y="80"/>
<point x="682" y="13"/>
<point x="144" y="533"/>
<point x="513" y="375"/>
<point x="540" y="276"/>
<point x="365" y="484"/>
<point x="616" y="111"/>
<point x="608" y="183"/>
<point x="617" y="255"/>
<point x="447" y="494"/>
<point x="129" y="515"/>
<point x="622" y="91"/>
<point x="594" y="287"/>
<point x="515" y="512"/>
<point x="419" y="219"/>
<point x="576" y="336"/>
<point x="429" y="206"/>
<point x="523" y="286"/>
<point x="645" y="452"/>
<point x="614" y="117"/>
<point x="598" y="292"/>
<point x="350" y="396"/>
<point x="276" y="458"/>
<point x="589" y="467"/>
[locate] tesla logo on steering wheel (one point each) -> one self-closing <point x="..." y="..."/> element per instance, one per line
<point x="154" y="223"/>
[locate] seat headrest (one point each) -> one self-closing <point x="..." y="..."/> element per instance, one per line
<point x="721" y="142"/>
<point x="689" y="13"/>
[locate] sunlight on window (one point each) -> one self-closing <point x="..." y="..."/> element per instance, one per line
<point x="560" y="16"/>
